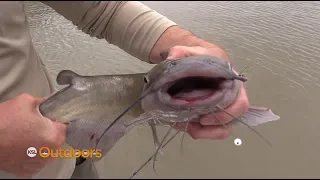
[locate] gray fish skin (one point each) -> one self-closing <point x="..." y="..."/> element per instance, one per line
<point x="89" y="104"/>
<point x="102" y="94"/>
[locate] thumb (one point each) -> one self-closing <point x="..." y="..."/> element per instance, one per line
<point x="62" y="128"/>
<point x="177" y="52"/>
<point x="39" y="100"/>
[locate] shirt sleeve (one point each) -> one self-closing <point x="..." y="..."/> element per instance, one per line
<point x="130" y="25"/>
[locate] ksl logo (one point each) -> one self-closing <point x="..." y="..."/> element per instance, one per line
<point x="31" y="152"/>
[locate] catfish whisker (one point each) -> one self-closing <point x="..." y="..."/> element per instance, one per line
<point x="159" y="121"/>
<point x="155" y="136"/>
<point x="116" y="120"/>
<point x="221" y="122"/>
<point x="142" y="121"/>
<point x="147" y="92"/>
<point x="244" y="124"/>
<point x="240" y="74"/>
<point x="154" y="121"/>
<point x="161" y="144"/>
<point x="150" y="158"/>
<point x="184" y="132"/>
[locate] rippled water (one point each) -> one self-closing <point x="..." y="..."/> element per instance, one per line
<point x="279" y="41"/>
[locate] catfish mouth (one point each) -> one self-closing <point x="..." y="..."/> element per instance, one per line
<point x="204" y="85"/>
<point x="191" y="89"/>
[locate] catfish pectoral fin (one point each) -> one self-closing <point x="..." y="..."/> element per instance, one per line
<point x="67" y="77"/>
<point x="258" y="115"/>
<point x="85" y="134"/>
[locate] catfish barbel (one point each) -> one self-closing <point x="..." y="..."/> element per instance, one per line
<point x="100" y="110"/>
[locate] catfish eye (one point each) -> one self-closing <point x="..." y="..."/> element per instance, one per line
<point x="145" y="79"/>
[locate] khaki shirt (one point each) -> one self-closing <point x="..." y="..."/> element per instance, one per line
<point x="133" y="27"/>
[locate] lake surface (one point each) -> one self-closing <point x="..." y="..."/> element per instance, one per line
<point x="279" y="41"/>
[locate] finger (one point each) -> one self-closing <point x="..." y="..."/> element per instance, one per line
<point x="61" y="128"/>
<point x="26" y="170"/>
<point x="177" y="52"/>
<point x="238" y="108"/>
<point x="46" y="97"/>
<point x="197" y="131"/>
<point x="164" y="55"/>
<point x="35" y="167"/>
<point x="54" y="136"/>
<point x="25" y="174"/>
<point x="39" y="100"/>
<point x="179" y="126"/>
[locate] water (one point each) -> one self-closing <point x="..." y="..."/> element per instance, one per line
<point x="279" y="41"/>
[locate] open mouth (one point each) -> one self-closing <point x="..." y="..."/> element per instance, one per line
<point x="191" y="89"/>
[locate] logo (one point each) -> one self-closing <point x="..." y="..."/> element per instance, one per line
<point x="31" y="152"/>
<point x="46" y="152"/>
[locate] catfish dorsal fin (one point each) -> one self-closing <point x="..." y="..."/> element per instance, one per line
<point x="66" y="77"/>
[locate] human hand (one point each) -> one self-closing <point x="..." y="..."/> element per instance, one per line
<point x="209" y="126"/>
<point x="22" y="126"/>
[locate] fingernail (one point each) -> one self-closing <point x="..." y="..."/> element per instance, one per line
<point x="171" y="57"/>
<point x="164" y="55"/>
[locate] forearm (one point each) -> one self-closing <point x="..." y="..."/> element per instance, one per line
<point x="130" y="25"/>
<point x="177" y="36"/>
